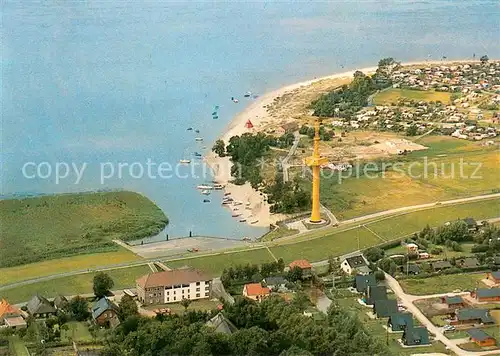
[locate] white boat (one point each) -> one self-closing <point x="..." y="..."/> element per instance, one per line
<point x="254" y="221"/>
<point x="205" y="186"/>
<point x="237" y="203"/>
<point x="199" y="139"/>
<point x="247" y="203"/>
<point x="218" y="186"/>
<point x="205" y="192"/>
<point x="185" y="161"/>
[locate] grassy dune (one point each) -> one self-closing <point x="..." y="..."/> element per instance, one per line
<point x="48" y="227"/>
<point x="391" y="96"/>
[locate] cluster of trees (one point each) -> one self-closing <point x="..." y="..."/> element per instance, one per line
<point x="272" y="327"/>
<point x="488" y="240"/>
<point x="251" y="272"/>
<point x="450" y="235"/>
<point x="324" y="134"/>
<point x="287" y="197"/>
<point x="349" y="99"/>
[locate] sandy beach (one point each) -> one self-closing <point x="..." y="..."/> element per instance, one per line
<point x="255" y="208"/>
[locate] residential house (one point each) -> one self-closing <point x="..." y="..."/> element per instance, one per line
<point x="255" y="291"/>
<point x="384" y="308"/>
<point x="304" y="265"/>
<point x="361" y="282"/>
<point x="471" y="224"/>
<point x="221" y="324"/>
<point x="441" y="265"/>
<point x="400" y="321"/>
<point x="411" y="268"/>
<point x="469" y="262"/>
<point x="105" y="312"/>
<point x="453" y="302"/>
<point x="289" y="127"/>
<point x="355" y="264"/>
<point x="60" y="302"/>
<point x="472" y="316"/>
<point x="173" y="286"/>
<point x="414" y="336"/>
<point x="494" y="277"/>
<point x="40" y="307"/>
<point x="374" y="293"/>
<point x="275" y="282"/>
<point x="11" y="316"/>
<point x="487" y="294"/>
<point x="481" y="338"/>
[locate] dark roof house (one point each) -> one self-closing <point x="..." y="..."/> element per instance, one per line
<point x="60" y="302"/>
<point x="487" y="293"/>
<point x="413" y="336"/>
<point x="411" y="268"/>
<point x="361" y="282"/>
<point x="441" y="265"/>
<point x="40" y="306"/>
<point x="356" y="261"/>
<point x="275" y="281"/>
<point x="481" y="338"/>
<point x="399" y="321"/>
<point x="101" y="306"/>
<point x="471" y="223"/>
<point x="471" y="315"/>
<point x="374" y="293"/>
<point x="469" y="262"/>
<point x="452" y="300"/>
<point x="385" y="307"/>
<point x="221" y="324"/>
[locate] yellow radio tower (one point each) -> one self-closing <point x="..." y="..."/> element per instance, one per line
<point x="315" y="161"/>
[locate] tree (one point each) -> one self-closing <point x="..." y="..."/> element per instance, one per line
<point x="102" y="284"/>
<point x="219" y="148"/>
<point x="127" y="307"/>
<point x="484" y="59"/>
<point x="373" y="254"/>
<point x="294" y="274"/>
<point x="387" y="265"/>
<point x="185" y="303"/>
<point x="411" y="130"/>
<point x="79" y="308"/>
<point x="379" y="275"/>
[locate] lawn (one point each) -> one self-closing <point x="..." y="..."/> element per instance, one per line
<point x="72" y="285"/>
<point x="17" y="345"/>
<point x="214" y="265"/>
<point x="61" y="265"/>
<point x="50" y="227"/>
<point x="279" y="233"/>
<point x="443" y="283"/>
<point x="391" y="96"/>
<point x="77" y="332"/>
<point x="447" y="170"/>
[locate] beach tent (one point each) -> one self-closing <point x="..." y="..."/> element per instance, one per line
<point x="249" y="124"/>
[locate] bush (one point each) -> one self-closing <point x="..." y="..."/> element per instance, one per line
<point x="436" y="250"/>
<point x="479" y="248"/>
<point x="379" y="275"/>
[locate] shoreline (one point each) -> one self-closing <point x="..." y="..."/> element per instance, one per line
<point x="258" y="114"/>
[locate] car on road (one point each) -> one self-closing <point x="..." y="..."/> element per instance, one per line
<point x="448" y="328"/>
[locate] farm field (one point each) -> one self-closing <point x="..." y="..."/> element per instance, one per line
<point x="391" y="96"/>
<point x="49" y="227"/>
<point x="214" y="265"/>
<point x="61" y="265"/>
<point x="447" y="170"/>
<point x="73" y="285"/>
<point x="443" y="284"/>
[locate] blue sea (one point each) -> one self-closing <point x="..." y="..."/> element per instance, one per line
<point x="108" y="82"/>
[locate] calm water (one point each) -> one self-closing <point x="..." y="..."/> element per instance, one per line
<point x="112" y="81"/>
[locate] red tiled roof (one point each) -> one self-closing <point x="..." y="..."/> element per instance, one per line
<point x="6" y="308"/>
<point x="301" y="264"/>
<point x="256" y="289"/>
<point x="172" y="277"/>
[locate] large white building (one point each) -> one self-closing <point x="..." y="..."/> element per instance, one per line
<point x="173" y="286"/>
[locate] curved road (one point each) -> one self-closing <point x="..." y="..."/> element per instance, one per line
<point x="257" y="246"/>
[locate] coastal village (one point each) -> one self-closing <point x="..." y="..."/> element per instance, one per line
<point x="386" y="281"/>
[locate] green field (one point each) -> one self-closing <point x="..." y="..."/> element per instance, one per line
<point x="447" y="170"/>
<point x="61" y="265"/>
<point x="18" y="347"/>
<point x="77" y="332"/>
<point x="214" y="265"/>
<point x="443" y="284"/>
<point x="391" y="96"/>
<point x="73" y="285"/>
<point x="49" y="227"/>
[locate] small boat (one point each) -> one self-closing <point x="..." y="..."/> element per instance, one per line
<point x="235" y="209"/>
<point x="206" y="200"/>
<point x="248" y="94"/>
<point x="197" y="131"/>
<point x="226" y="194"/>
<point x="185" y="161"/>
<point x="215" y="117"/>
<point x="214" y="113"/>
<point x="243" y="220"/>
<point x="236" y="215"/>
<point x="236" y="203"/>
<point x="197" y="154"/>
<point x="199" y="139"/>
<point x="254" y="221"/>
<point x="204" y="148"/>
<point x="204" y="186"/>
<point x="226" y="202"/>
<point x="205" y="192"/>
<point x="234" y="99"/>
<point x="246" y="239"/>
<point x="190" y="129"/>
<point x="247" y="203"/>
<point x="218" y="186"/>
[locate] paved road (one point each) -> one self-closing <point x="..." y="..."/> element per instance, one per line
<point x="407" y="300"/>
<point x="291" y="152"/>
